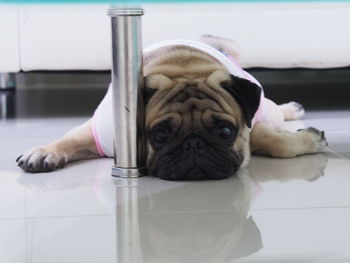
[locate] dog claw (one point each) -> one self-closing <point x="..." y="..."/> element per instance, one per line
<point x="19" y="157"/>
<point x="46" y="167"/>
<point x="61" y="163"/>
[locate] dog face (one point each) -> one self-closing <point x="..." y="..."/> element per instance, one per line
<point x="197" y="125"/>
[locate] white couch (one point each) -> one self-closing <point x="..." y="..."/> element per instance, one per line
<point x="274" y="35"/>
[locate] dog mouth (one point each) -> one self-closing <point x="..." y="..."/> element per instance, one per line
<point x="194" y="168"/>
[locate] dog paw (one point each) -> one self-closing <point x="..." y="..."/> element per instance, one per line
<point x="41" y="159"/>
<point x="292" y="111"/>
<point x="318" y="139"/>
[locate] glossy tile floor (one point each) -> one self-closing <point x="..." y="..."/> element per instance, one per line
<point x="276" y="210"/>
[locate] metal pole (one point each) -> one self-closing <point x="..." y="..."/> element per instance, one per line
<point x="127" y="81"/>
<point x="7" y="104"/>
<point x="7" y="81"/>
<point x="127" y="219"/>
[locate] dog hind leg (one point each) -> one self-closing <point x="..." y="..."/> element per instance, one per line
<point x="268" y="140"/>
<point x="77" y="144"/>
<point x="222" y="44"/>
<point x="292" y="111"/>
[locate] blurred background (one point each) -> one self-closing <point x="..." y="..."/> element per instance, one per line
<point x="56" y="58"/>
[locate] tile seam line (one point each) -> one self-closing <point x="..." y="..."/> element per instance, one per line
<point x="53" y="217"/>
<point x="299" y="208"/>
<point x="338" y="131"/>
<point x="339" y="155"/>
<point x="140" y="213"/>
<point x="232" y="210"/>
<point x="169" y="212"/>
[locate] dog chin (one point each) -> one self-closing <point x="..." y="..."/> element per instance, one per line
<point x="195" y="171"/>
<point x="194" y="174"/>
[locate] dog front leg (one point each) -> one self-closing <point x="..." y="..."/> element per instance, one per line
<point x="265" y="139"/>
<point x="77" y="144"/>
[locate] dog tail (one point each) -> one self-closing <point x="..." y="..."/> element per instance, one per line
<point x="222" y="44"/>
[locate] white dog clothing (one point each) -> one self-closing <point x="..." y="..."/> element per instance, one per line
<point x="102" y="121"/>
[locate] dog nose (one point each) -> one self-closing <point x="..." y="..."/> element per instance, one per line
<point x="193" y="143"/>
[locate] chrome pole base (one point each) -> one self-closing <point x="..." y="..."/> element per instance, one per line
<point x="128" y="172"/>
<point x="7" y="81"/>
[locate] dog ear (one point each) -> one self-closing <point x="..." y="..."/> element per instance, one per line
<point x="246" y="93"/>
<point x="147" y="91"/>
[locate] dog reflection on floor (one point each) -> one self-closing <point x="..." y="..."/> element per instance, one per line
<point x="202" y="221"/>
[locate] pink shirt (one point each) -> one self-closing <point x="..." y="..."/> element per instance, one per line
<point x="102" y="121"/>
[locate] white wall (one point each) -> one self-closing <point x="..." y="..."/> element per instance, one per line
<point x="9" y="43"/>
<point x="64" y="37"/>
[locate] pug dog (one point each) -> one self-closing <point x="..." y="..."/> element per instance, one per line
<point x="204" y="116"/>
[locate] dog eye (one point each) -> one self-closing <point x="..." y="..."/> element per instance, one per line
<point x="161" y="135"/>
<point x="225" y="130"/>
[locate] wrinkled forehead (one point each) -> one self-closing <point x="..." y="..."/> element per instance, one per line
<point x="192" y="105"/>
